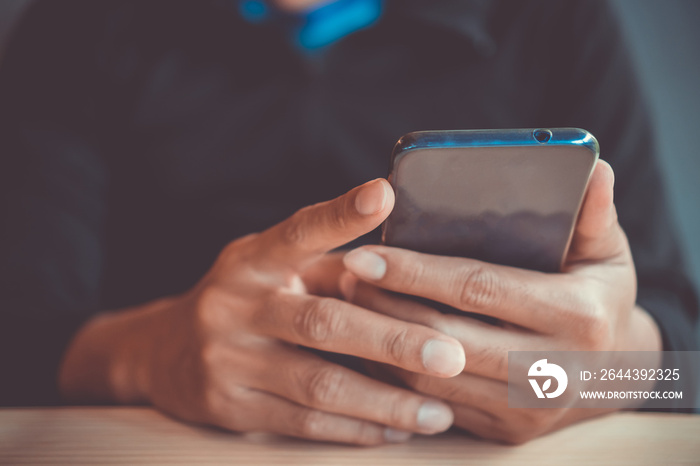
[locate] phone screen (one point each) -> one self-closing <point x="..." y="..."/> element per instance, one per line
<point x="510" y="205"/>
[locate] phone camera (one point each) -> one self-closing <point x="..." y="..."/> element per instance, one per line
<point x="542" y="135"/>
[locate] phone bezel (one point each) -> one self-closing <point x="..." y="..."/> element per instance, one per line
<point x="496" y="138"/>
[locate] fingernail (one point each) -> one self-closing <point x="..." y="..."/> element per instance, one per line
<point x="396" y="436"/>
<point x="365" y="264"/>
<point x="443" y="358"/>
<point x="371" y="198"/>
<point x="347" y="285"/>
<point x="434" y="417"/>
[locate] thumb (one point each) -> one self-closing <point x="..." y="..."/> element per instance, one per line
<point x="597" y="235"/>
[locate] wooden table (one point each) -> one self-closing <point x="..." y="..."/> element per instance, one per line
<point x="142" y="436"/>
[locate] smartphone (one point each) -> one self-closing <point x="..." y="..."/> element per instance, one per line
<point x="508" y="197"/>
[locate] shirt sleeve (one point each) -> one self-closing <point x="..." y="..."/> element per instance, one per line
<point x="52" y="201"/>
<point x="597" y="90"/>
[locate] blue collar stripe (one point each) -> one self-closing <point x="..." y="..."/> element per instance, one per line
<point x="321" y="26"/>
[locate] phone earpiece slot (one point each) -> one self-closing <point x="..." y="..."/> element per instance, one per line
<point x="542" y="135"/>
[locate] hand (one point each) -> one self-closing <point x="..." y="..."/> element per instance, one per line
<point x="228" y="353"/>
<point x="590" y="306"/>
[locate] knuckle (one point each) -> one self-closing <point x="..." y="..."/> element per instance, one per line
<point x="317" y="323"/>
<point x="236" y="252"/>
<point x="478" y="288"/>
<point x="397" y="413"/>
<point x="294" y="231"/>
<point x="395" y="346"/>
<point x="210" y="307"/>
<point x="396" y="416"/>
<point x="336" y="217"/>
<point x="228" y="253"/>
<point x="412" y="274"/>
<point x="323" y="387"/>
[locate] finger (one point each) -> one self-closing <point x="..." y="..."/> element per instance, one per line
<point x="399" y="306"/>
<point x="322" y="277"/>
<point x="314" y="230"/>
<point x="316" y="383"/>
<point x="510" y="425"/>
<point x="390" y="304"/>
<point x="465" y="389"/>
<point x="485" y="346"/>
<point x="257" y="411"/>
<point x="332" y="325"/>
<point x="523" y="297"/>
<point x="478" y="422"/>
<point x="597" y="235"/>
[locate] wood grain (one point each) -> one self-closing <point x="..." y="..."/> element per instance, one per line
<point x="75" y="436"/>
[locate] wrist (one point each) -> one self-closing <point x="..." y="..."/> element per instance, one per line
<point x="130" y="361"/>
<point x="110" y="358"/>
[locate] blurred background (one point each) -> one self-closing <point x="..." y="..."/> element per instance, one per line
<point x="665" y="43"/>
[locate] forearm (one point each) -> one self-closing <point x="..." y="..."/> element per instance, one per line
<point x="108" y="358"/>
